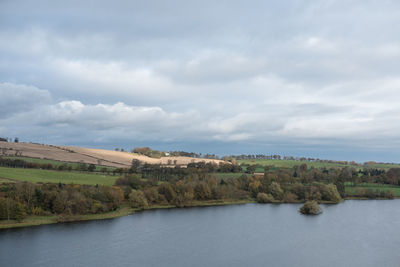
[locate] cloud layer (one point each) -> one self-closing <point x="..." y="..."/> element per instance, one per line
<point x="289" y="77"/>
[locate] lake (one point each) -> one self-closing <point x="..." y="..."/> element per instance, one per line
<point x="353" y="233"/>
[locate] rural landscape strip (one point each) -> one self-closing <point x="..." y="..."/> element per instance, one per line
<point x="43" y="191"/>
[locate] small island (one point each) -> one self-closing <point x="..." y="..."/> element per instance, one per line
<point x="311" y="208"/>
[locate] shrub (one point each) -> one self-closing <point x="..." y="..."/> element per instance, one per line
<point x="311" y="208"/>
<point x="264" y="198"/>
<point x="275" y="190"/>
<point x="137" y="199"/>
<point x="330" y="193"/>
<point x="289" y="197"/>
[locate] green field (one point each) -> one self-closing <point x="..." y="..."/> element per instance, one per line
<point x="292" y="163"/>
<point x="225" y="175"/>
<point x="57" y="163"/>
<point x="383" y="187"/>
<point x="48" y="176"/>
<point x="385" y="166"/>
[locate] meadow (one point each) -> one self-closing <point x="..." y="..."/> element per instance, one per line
<point x="57" y="163"/>
<point x="50" y="176"/>
<point x="293" y="163"/>
<point x="350" y="189"/>
<point x="225" y="175"/>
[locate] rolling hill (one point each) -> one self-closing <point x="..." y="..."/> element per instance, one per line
<point x="90" y="155"/>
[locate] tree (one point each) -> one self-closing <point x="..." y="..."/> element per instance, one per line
<point x="251" y="169"/>
<point x="264" y="198"/>
<point x="167" y="191"/>
<point x="289" y="197"/>
<point x="330" y="193"/>
<point x="202" y="191"/>
<point x="82" y="166"/>
<point x="18" y="211"/>
<point x="339" y="183"/>
<point x="254" y="187"/>
<point x="137" y="199"/>
<point x="393" y="176"/>
<point x="136" y="166"/>
<point x="3" y="209"/>
<point x="275" y="190"/>
<point x="135" y="181"/>
<point x="311" y="208"/>
<point x="92" y="168"/>
<point x="184" y="199"/>
<point x="303" y="167"/>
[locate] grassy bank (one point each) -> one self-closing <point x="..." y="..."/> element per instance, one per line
<point x="39" y="220"/>
<point x="49" y="176"/>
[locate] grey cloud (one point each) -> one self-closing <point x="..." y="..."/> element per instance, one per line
<point x="20" y="98"/>
<point x="276" y="72"/>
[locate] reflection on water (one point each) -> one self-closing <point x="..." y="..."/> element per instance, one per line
<point x="353" y="233"/>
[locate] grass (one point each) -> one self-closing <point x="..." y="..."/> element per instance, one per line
<point x="3" y="180"/>
<point x="57" y="163"/>
<point x="292" y="163"/>
<point x="225" y="175"/>
<point x="29" y="221"/>
<point x="49" y="176"/>
<point x="350" y="189"/>
<point x="385" y="166"/>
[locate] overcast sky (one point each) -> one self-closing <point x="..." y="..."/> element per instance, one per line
<point x="313" y="78"/>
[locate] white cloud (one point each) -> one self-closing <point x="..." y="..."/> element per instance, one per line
<point x="116" y="79"/>
<point x="320" y="44"/>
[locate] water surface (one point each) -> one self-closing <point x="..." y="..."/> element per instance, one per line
<point x="353" y="233"/>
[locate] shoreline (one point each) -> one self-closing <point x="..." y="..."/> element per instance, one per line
<point x="123" y="211"/>
<point x="126" y="210"/>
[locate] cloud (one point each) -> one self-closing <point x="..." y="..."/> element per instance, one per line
<point x="282" y="117"/>
<point x="218" y="72"/>
<point x="17" y="98"/>
<point x="100" y="78"/>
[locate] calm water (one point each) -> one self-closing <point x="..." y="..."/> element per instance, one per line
<point x="353" y="233"/>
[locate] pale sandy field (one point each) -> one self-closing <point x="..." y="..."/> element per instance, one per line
<point x="90" y="155"/>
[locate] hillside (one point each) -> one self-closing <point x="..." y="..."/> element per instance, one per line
<point x="90" y="155"/>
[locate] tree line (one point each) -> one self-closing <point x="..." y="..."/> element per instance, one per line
<point x="18" y="200"/>
<point x="20" y="163"/>
<point x="145" y="185"/>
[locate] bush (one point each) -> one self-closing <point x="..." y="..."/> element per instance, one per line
<point x="184" y="200"/>
<point x="264" y="198"/>
<point x="311" y="208"/>
<point x="289" y="197"/>
<point x="137" y="199"/>
<point x="275" y="190"/>
<point x="330" y="193"/>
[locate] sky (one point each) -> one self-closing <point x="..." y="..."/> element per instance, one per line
<point x="303" y="78"/>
